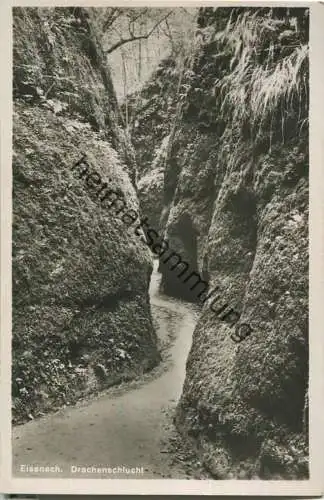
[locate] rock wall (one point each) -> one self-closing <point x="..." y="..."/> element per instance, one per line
<point x="150" y="187"/>
<point x="81" y="312"/>
<point x="149" y="112"/>
<point x="236" y="209"/>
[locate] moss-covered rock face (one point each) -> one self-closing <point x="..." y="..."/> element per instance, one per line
<point x="253" y="393"/>
<point x="150" y="112"/>
<point x="58" y="62"/>
<point x="236" y="209"/>
<point x="151" y="186"/>
<point x="150" y="193"/>
<point x="81" y="313"/>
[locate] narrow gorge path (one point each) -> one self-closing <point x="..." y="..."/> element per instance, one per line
<point x="131" y="429"/>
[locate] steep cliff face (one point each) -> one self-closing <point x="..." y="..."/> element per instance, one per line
<point x="150" y="113"/>
<point x="81" y="313"/>
<point x="151" y="185"/>
<point x="236" y="209"/>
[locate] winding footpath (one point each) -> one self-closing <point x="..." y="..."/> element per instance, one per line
<point x="126" y="429"/>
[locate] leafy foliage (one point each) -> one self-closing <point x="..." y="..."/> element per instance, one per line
<point x="252" y="71"/>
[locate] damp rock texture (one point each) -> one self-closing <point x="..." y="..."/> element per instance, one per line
<point x="236" y="209"/>
<point x="150" y="113"/>
<point x="150" y="188"/>
<point x="81" y="312"/>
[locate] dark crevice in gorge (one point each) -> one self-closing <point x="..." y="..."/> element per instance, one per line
<point x="186" y="235"/>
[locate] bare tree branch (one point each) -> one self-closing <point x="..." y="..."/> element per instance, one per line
<point x="131" y="28"/>
<point x="139" y="37"/>
<point x="188" y="11"/>
<point x="142" y="13"/>
<point x="169" y="34"/>
<point x="112" y="16"/>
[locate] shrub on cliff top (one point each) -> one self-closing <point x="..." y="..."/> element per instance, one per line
<point x="268" y="69"/>
<point x="260" y="59"/>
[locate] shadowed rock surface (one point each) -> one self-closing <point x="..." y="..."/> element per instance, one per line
<point x="236" y="209"/>
<point x="81" y="312"/>
<point x="150" y="188"/>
